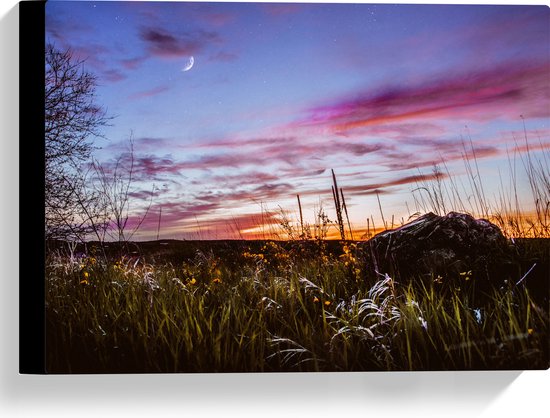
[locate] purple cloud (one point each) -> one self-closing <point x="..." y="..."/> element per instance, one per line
<point x="380" y="187"/>
<point x="509" y="90"/>
<point x="262" y="192"/>
<point x="112" y="75"/>
<point x="163" y="44"/>
<point x="144" y="168"/>
<point x="132" y="63"/>
<point x="224" y="57"/>
<point x="148" y="93"/>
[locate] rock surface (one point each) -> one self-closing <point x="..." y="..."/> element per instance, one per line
<point x="454" y="247"/>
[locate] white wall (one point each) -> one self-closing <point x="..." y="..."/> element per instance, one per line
<point x="460" y="394"/>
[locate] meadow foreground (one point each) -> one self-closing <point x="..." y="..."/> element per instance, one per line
<point x="263" y="306"/>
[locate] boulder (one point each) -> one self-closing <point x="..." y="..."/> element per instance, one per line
<point x="443" y="248"/>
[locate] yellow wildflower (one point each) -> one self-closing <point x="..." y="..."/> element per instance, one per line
<point x="315" y="299"/>
<point x="193" y="281"/>
<point x="217" y="280"/>
<point x="327" y="302"/>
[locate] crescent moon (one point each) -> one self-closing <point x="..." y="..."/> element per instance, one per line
<point x="188" y="64"/>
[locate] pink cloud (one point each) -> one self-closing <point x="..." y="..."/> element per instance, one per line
<point x="144" y="194"/>
<point x="132" y="63"/>
<point x="234" y="160"/>
<point x="247" y="178"/>
<point x="417" y="178"/>
<point x="381" y="187"/>
<point x="148" y="167"/>
<point x="288" y="150"/>
<point x="400" y="162"/>
<point x="262" y="192"/>
<point x="113" y="75"/>
<point x="148" y="93"/>
<point x="533" y="147"/>
<point x="299" y="158"/>
<point x="144" y="167"/>
<point x="224" y="57"/>
<point x="245" y="142"/>
<point x="398" y="131"/>
<point x="509" y="91"/>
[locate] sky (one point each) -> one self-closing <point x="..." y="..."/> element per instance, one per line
<point x="279" y="95"/>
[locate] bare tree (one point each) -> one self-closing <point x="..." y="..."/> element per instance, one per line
<point x="113" y="187"/>
<point x="71" y="119"/>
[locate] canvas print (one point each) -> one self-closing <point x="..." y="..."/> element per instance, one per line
<point x="296" y="187"/>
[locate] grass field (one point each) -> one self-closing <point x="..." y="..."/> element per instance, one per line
<point x="277" y="306"/>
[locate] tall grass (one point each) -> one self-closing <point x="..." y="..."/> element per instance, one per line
<point x="520" y="206"/>
<point x="517" y="219"/>
<point x="278" y="309"/>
